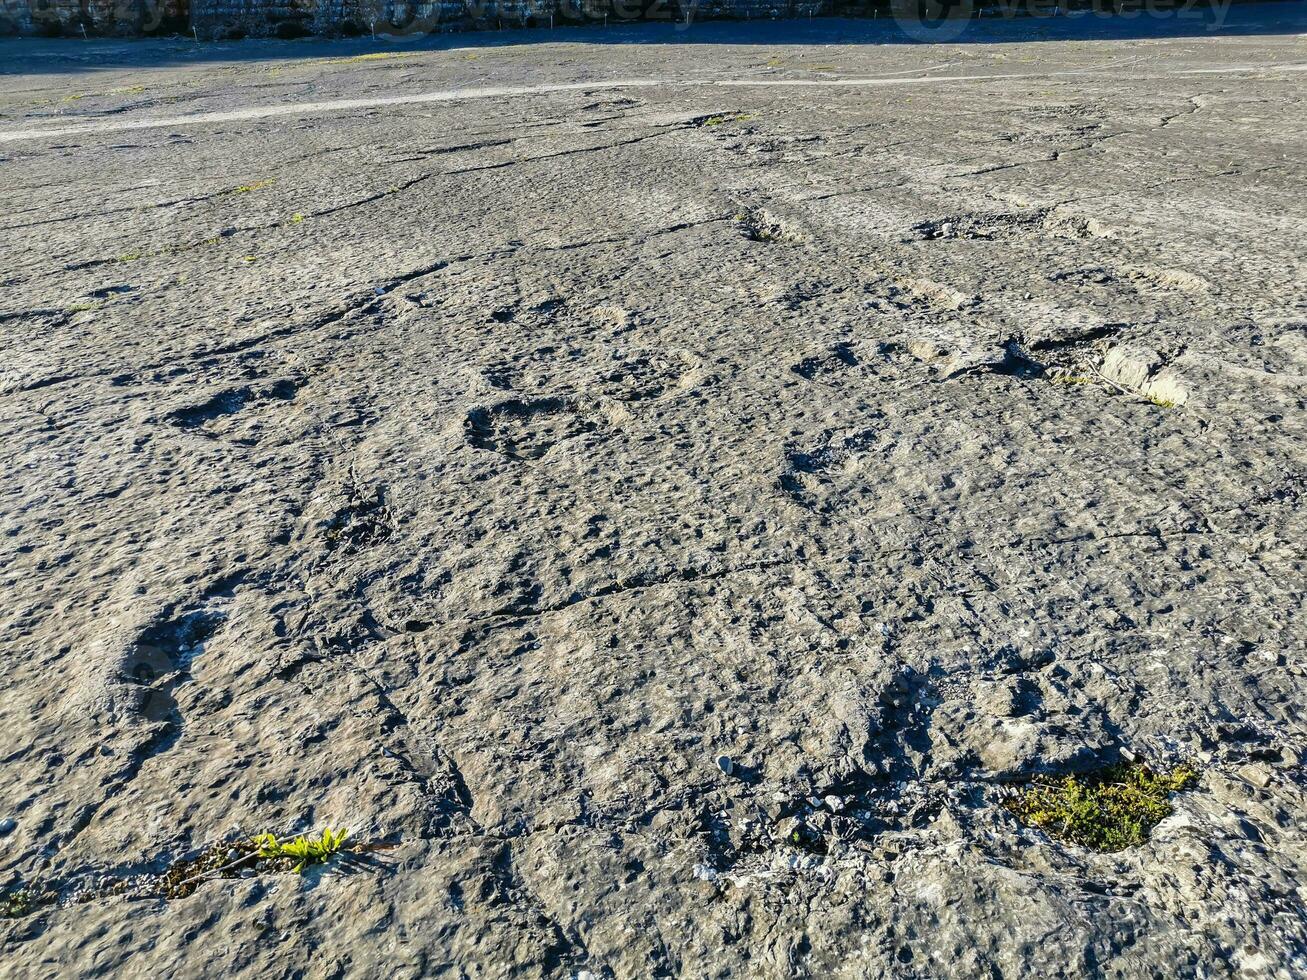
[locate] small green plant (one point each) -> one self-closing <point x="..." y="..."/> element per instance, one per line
<point x="15" y="904"/>
<point x="1074" y="379"/>
<point x="304" y="850"/>
<point x="1109" y="810"/>
<point x="258" y="185"/>
<point x="759" y="227"/>
<point x="1160" y="402"/>
<point x="722" y="120"/>
<point x="22" y="901"/>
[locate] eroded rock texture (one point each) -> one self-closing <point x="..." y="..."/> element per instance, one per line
<point x="477" y="474"/>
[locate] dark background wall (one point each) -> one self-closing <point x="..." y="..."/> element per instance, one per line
<point x="213" y="19"/>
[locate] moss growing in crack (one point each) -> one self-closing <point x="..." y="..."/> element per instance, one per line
<point x="258" y="185"/>
<point x="723" y="120"/>
<point x="1073" y="379"/>
<point x="22" y="901"/>
<point x="16" y="904"/>
<point x="1108" y="810"/>
<point x="261" y="854"/>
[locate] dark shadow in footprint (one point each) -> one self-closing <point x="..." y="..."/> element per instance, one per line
<point x="224" y="403"/>
<point x="365" y="520"/>
<point x="838" y="357"/>
<point x="643" y="375"/>
<point x="160" y="661"/>
<point x="525" y="429"/>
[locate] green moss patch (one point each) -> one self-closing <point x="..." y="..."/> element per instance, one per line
<point x="1108" y="810"/>
<point x="723" y="120"/>
<point x="23" y="901"/>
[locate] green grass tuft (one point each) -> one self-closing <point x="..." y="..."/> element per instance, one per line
<point x="23" y="901"/>
<point x="723" y="120"/>
<point x="16" y="904"/>
<point x="1108" y="810"/>
<point x="258" y="185"/>
<point x="1073" y="379"/>
<point x="304" y="850"/>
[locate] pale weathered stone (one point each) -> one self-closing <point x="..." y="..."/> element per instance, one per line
<point x="413" y="450"/>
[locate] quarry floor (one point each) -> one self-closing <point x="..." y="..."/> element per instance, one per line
<point x="659" y="490"/>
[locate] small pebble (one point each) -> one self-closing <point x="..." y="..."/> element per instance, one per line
<point x="947" y="229"/>
<point x="7" y="826"/>
<point x="725" y="764"/>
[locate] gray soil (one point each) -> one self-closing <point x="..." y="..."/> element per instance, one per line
<point x="477" y="471"/>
